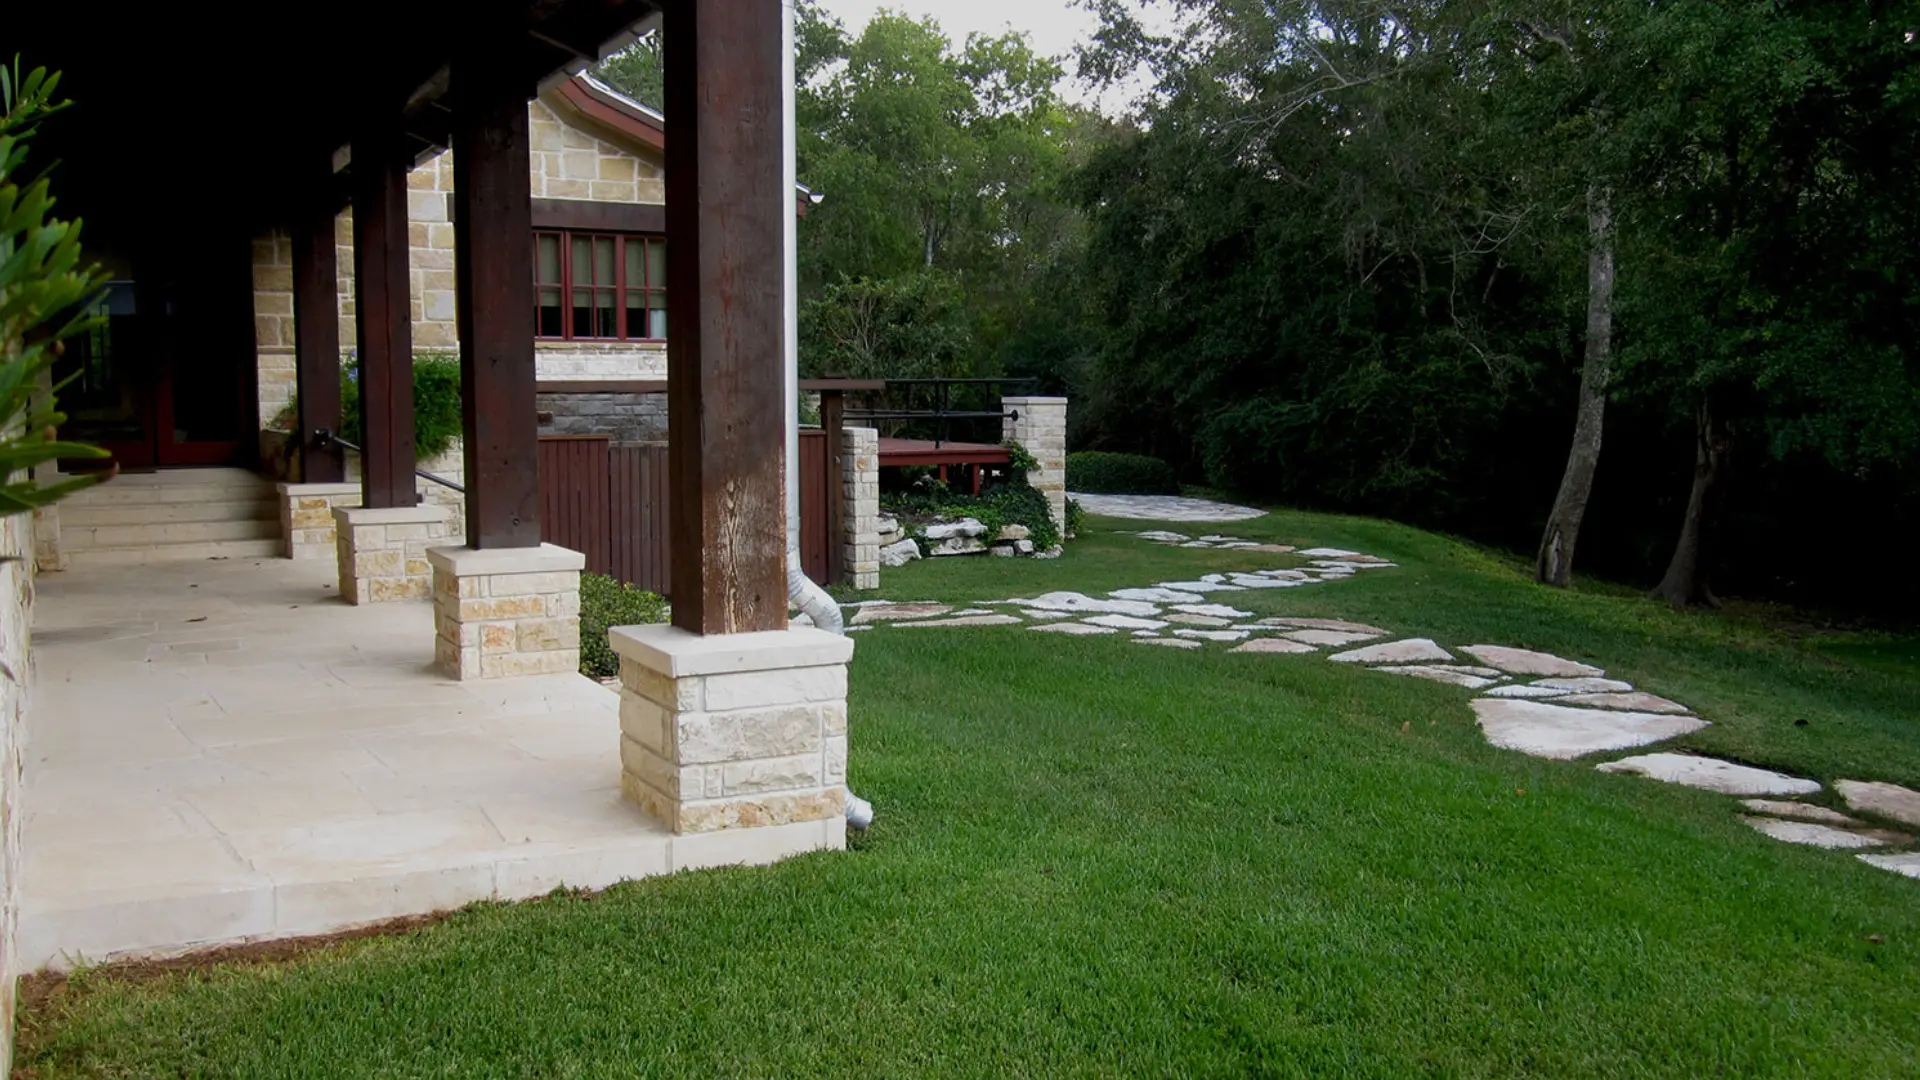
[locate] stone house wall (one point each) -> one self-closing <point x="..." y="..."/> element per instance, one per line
<point x="568" y="162"/>
<point x="628" y="418"/>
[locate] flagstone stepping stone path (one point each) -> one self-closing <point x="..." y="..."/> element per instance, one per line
<point x="1163" y="508"/>
<point x="1525" y="700"/>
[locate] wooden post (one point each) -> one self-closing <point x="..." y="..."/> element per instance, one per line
<point x="726" y="326"/>
<point x="833" y="420"/>
<point x="493" y="268"/>
<point x="316" y="328"/>
<point x="383" y="303"/>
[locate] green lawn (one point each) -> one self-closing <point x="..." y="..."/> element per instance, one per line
<point x="1098" y="859"/>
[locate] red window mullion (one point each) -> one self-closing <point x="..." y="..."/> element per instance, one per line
<point x="620" y="288"/>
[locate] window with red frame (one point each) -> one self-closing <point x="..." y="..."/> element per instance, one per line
<point x="599" y="286"/>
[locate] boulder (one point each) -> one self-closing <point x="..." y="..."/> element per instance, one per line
<point x="1023" y="547"/>
<point x="1003" y="551"/>
<point x="899" y="553"/>
<point x="965" y="528"/>
<point x="1015" y="532"/>
<point x="884" y="525"/>
<point x="955" y="545"/>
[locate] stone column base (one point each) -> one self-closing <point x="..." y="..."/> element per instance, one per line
<point x="860" y="490"/>
<point x="734" y="731"/>
<point x="383" y="551"/>
<point x="1039" y="424"/>
<point x="306" y="517"/>
<point x="503" y="612"/>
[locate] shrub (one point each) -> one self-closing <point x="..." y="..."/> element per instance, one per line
<point x="1103" y="473"/>
<point x="436" y="405"/>
<point x="606" y="602"/>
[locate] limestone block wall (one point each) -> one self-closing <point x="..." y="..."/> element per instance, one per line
<point x="1039" y="424"/>
<point x="566" y="163"/>
<point x="860" y="488"/>
<point x="506" y="611"/>
<point x="16" y="616"/>
<point x="383" y="552"/>
<point x="628" y="418"/>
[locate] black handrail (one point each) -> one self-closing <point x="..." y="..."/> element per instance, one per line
<point x="323" y="438"/>
<point x="940" y="414"/>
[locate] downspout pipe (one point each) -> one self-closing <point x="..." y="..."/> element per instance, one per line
<point x="802" y="593"/>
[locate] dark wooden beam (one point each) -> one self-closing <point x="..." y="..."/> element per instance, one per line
<point x="833" y="420"/>
<point x="727" y="202"/>
<point x="845" y="386"/>
<point x="580" y="215"/>
<point x="493" y="273"/>
<point x="384" y="323"/>
<point x="601" y="386"/>
<point x="316" y="343"/>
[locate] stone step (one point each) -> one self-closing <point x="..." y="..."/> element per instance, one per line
<point x="143" y="556"/>
<point x="188" y="478"/>
<point x="112" y="493"/>
<point x="75" y="515"/>
<point x="85" y="537"/>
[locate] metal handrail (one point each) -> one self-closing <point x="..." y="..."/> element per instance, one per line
<point x="940" y="414"/>
<point x="324" y="437"/>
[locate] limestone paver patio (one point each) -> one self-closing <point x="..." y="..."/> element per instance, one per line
<point x="224" y="750"/>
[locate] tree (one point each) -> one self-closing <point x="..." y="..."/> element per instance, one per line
<point x="636" y="71"/>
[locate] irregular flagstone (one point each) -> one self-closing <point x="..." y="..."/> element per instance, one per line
<point x="1887" y="800"/>
<point x="1216" y="538"/>
<point x="1637" y="701"/>
<point x="1258" y="581"/>
<point x="1197" y="544"/>
<point x="1907" y="864"/>
<point x="1213" y="635"/>
<point x="1526" y="690"/>
<point x="1218" y="611"/>
<point x="1126" y="622"/>
<point x="1272" y="645"/>
<point x="1449" y="675"/>
<point x="1199" y="620"/>
<point x="1169" y="642"/>
<point x="1711" y="774"/>
<point x="970" y="620"/>
<point x="1074" y="629"/>
<point x="1409" y="651"/>
<point x="1285" y="575"/>
<point x="1214" y="578"/>
<point x="1048" y="614"/>
<point x="873" y="613"/>
<point x="1157" y="596"/>
<point x="1163" y="508"/>
<point x="972" y="611"/>
<point x="1329" y="553"/>
<point x="1552" y="731"/>
<point x="1327" y="637"/>
<point x="1162" y="536"/>
<point x="1243" y="545"/>
<point x="1199" y="586"/>
<point x="1528" y="662"/>
<point x="1324" y="624"/>
<point x="1816" y="835"/>
<point x="1786" y="808"/>
<point x="1587" y="685"/>
<point x="1277" y="549"/>
<point x="1073" y="601"/>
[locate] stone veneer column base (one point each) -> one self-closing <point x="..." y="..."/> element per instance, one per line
<point x="383" y="551"/>
<point x="734" y="731"/>
<point x="860" y="490"/>
<point x="502" y="612"/>
<point x="306" y="517"/>
<point x="1039" y="424"/>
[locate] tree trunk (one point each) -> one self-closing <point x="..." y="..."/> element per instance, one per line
<point x="1688" y="582"/>
<point x="1553" y="565"/>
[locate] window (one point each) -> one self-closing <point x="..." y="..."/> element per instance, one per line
<point x="600" y="286"/>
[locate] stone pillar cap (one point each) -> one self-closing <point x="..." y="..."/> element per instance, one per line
<point x="390" y="515"/>
<point x="317" y="489"/>
<point x="476" y="562"/>
<point x="677" y="653"/>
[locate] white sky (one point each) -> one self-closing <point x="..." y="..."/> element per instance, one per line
<point x="1055" y="26"/>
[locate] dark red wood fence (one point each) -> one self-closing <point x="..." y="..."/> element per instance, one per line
<point x="610" y="503"/>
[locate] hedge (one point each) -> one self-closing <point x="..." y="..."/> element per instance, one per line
<point x="605" y="602"/>
<point x="1101" y="473"/>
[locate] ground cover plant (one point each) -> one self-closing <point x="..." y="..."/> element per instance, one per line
<point x="1096" y="859"/>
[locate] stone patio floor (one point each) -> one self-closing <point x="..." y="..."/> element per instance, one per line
<point x="219" y="751"/>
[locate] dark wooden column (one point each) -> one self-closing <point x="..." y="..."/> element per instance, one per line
<point x="726" y="326"/>
<point x="493" y="261"/>
<point x="833" y="420"/>
<point x="383" y="303"/>
<point x="316" y="327"/>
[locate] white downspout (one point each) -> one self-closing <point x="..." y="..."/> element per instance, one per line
<point x="801" y="591"/>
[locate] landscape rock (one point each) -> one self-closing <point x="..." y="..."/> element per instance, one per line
<point x="1023" y="547"/>
<point x="1553" y="731"/>
<point x="1528" y="662"/>
<point x="1002" y="551"/>
<point x="1710" y="774"/>
<point x="1074" y="629"/>
<point x="1887" y="800"/>
<point x="1637" y="701"/>
<point x="1449" y="675"/>
<point x="1814" y="835"/>
<point x="948" y="530"/>
<point x="874" y="613"/>
<point x="970" y="620"/>
<point x="956" y="545"/>
<point x="1786" y="808"/>
<point x="1907" y="864"/>
<point x="1272" y="645"/>
<point x="899" y="553"/>
<point x="1015" y="532"/>
<point x="885" y="525"/>
<point x="1053" y="552"/>
<point x="1409" y="651"/>
<point x="1073" y="601"/>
